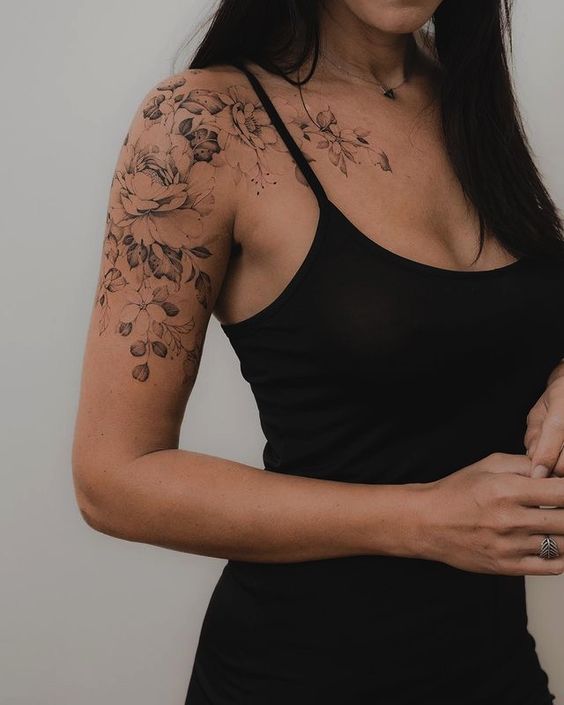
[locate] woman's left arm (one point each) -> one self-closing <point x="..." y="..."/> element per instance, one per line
<point x="544" y="438"/>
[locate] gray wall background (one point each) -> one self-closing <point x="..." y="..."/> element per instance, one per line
<point x="85" y="618"/>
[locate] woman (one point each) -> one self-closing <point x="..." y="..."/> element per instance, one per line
<point x="353" y="197"/>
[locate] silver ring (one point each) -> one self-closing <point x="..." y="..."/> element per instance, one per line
<point x="549" y="548"/>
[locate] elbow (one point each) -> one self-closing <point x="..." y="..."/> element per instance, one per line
<point x="85" y="493"/>
<point x="89" y="481"/>
<point x="87" y="513"/>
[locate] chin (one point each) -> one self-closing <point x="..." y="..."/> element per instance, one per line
<point x="394" y="16"/>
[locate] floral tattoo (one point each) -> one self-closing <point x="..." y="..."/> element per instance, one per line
<point x="342" y="145"/>
<point x="222" y="128"/>
<point x="163" y="189"/>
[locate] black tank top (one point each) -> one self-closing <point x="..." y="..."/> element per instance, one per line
<point x="374" y="368"/>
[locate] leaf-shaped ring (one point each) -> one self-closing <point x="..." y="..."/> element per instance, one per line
<point x="549" y="548"/>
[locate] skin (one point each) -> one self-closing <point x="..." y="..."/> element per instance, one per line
<point x="544" y="438"/>
<point x="197" y="224"/>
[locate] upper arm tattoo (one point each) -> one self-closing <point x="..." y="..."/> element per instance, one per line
<point x="162" y="191"/>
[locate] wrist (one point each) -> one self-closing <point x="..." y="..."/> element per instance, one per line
<point x="398" y="520"/>
<point x="415" y="519"/>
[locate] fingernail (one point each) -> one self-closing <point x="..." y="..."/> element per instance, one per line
<point x="540" y="471"/>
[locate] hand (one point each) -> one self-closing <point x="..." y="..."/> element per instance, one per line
<point x="544" y="438"/>
<point x="491" y="516"/>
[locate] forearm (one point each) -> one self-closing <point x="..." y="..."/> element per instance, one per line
<point x="206" y="505"/>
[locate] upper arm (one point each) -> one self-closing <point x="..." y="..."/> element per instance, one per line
<point x="165" y="252"/>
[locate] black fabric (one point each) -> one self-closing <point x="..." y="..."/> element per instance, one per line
<point x="370" y="367"/>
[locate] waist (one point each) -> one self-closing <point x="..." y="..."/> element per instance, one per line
<point x="425" y="584"/>
<point x="393" y="621"/>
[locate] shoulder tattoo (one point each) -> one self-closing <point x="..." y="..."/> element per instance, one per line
<point x="162" y="190"/>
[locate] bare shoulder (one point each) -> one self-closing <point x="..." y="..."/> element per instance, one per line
<point x="195" y="139"/>
<point x="168" y="232"/>
<point x="224" y="120"/>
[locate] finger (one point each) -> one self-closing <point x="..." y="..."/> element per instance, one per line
<point x="557" y="372"/>
<point x="544" y="521"/>
<point x="534" y="423"/>
<point x="511" y="463"/>
<point x="540" y="470"/>
<point x="535" y="565"/>
<point x="541" y="492"/>
<point x="532" y="436"/>
<point x="549" y="446"/>
<point x="532" y="446"/>
<point x="531" y="544"/>
<point x="558" y="469"/>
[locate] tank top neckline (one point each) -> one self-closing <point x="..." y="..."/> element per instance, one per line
<point x="329" y="209"/>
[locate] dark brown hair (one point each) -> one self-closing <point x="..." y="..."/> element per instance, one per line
<point x="482" y="126"/>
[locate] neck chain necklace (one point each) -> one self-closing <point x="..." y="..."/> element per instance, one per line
<point x="387" y="91"/>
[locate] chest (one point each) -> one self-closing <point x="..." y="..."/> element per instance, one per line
<point x="385" y="166"/>
<point x="370" y="332"/>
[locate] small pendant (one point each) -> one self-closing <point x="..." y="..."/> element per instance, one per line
<point x="389" y="93"/>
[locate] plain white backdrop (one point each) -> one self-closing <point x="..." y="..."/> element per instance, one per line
<point x="84" y="618"/>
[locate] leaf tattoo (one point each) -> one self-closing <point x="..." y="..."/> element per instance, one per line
<point x="343" y="145"/>
<point x="162" y="191"/>
<point x="159" y="195"/>
<point x="223" y="128"/>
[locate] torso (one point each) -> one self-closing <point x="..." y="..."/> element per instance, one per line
<point x="375" y="355"/>
<point x="396" y="185"/>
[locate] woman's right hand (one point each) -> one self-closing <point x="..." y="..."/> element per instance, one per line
<point x="491" y="517"/>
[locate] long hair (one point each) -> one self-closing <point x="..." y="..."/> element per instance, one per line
<point x="482" y="126"/>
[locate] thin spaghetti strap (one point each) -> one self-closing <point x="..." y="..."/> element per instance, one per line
<point x="284" y="133"/>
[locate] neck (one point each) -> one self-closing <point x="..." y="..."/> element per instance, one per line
<point x="362" y="50"/>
